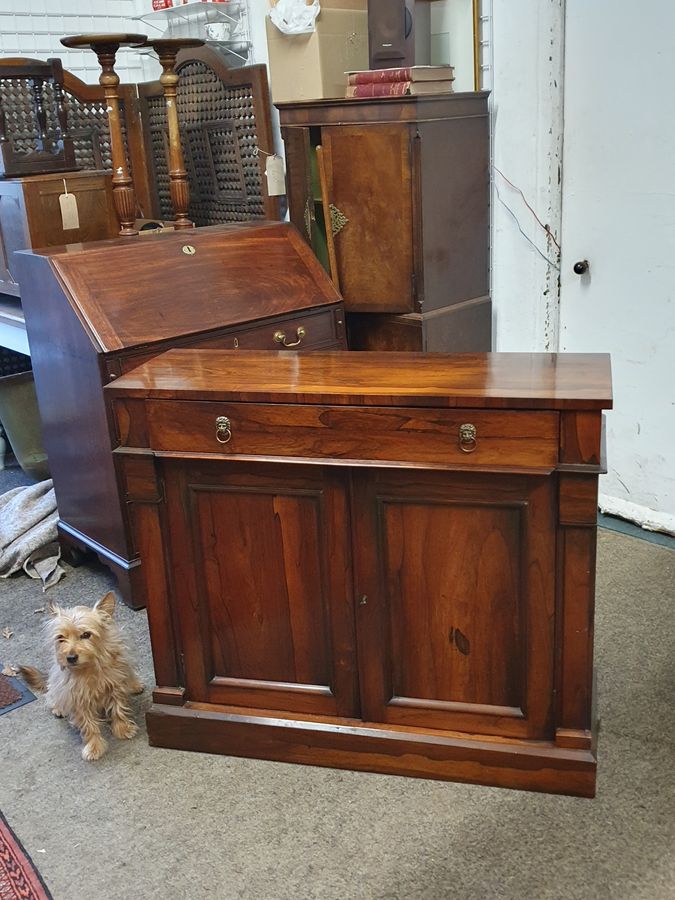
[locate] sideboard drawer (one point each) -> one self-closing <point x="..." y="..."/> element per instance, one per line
<point x="434" y="437"/>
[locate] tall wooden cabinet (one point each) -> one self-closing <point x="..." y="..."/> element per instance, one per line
<point x="406" y="204"/>
<point x="374" y="561"/>
<point x="97" y="310"/>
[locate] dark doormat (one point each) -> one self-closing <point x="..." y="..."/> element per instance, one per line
<point x="19" y="879"/>
<point x="13" y="693"/>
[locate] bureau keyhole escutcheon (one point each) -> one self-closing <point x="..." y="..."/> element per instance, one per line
<point x="223" y="429"/>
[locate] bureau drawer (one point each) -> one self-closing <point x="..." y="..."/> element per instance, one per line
<point x="323" y="329"/>
<point x="434" y="437"/>
<point x="309" y="331"/>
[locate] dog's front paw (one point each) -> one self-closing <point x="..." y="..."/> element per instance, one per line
<point x="124" y="728"/>
<point x="136" y="687"/>
<point x="94" y="749"/>
<point x="57" y="712"/>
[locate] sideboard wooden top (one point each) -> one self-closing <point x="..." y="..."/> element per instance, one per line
<point x="500" y="380"/>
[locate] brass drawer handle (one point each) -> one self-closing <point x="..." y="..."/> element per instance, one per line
<point x="223" y="429"/>
<point x="467" y="438"/>
<point x="280" y="337"/>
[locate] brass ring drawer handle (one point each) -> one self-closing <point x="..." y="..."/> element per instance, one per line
<point x="280" y="337"/>
<point x="223" y="429"/>
<point x="467" y="438"/>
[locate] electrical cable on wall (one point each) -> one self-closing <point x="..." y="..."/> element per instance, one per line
<point x="545" y="228"/>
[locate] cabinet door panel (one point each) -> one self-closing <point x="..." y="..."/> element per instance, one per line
<point x="277" y="634"/>
<point x="458" y="575"/>
<point x="370" y="185"/>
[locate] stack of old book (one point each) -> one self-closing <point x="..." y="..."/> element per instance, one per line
<point x="407" y="81"/>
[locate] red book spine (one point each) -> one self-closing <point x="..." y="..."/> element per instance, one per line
<point x="378" y="76"/>
<point x="384" y="89"/>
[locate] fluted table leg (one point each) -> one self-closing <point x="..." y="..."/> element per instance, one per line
<point x="179" y="187"/>
<point x="105" y="46"/>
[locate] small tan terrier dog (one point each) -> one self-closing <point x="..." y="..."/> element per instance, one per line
<point x="91" y="678"/>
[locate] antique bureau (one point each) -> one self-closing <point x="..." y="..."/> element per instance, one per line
<point x="373" y="561"/>
<point x="96" y="310"/>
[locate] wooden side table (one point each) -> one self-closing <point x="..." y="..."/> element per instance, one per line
<point x="105" y="46"/>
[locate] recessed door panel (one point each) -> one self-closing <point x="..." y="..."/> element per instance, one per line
<point x="454" y="614"/>
<point x="265" y="594"/>
<point x="371" y="213"/>
<point x="457" y="572"/>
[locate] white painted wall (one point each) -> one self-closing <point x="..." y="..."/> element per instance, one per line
<point x="34" y="28"/>
<point x="615" y="157"/>
<point x="619" y="213"/>
<point x="452" y="39"/>
<point x="257" y="10"/>
<point x="526" y="79"/>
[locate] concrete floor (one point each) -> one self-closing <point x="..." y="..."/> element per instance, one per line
<point x="147" y="823"/>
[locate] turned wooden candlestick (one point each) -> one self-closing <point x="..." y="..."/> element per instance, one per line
<point x="167" y="50"/>
<point x="105" y="46"/>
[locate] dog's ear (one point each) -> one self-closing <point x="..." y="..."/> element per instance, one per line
<point x="52" y="609"/>
<point x="106" y="604"/>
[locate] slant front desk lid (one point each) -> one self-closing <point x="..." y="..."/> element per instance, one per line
<point x="133" y="291"/>
<point x="498" y="380"/>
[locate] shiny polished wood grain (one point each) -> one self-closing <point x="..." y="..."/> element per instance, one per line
<point x="405" y="613"/>
<point x="363" y="242"/>
<point x="481" y="380"/>
<point x="459" y="574"/>
<point x="235" y="274"/>
<point x="369" y="747"/>
<point x="417" y="436"/>
<point x="76" y="349"/>
<point x="279" y="634"/>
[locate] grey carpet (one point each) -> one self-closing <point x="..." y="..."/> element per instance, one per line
<point x="147" y="823"/>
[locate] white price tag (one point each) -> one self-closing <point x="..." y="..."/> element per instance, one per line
<point x="69" y="214"/>
<point x="276" y="179"/>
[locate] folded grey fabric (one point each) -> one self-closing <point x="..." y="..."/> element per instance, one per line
<point x="28" y="535"/>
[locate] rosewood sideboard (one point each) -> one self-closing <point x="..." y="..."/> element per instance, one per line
<point x="373" y="561"/>
<point x="96" y="310"/>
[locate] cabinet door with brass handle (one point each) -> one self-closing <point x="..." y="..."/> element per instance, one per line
<point x="281" y="338"/>
<point x="369" y="189"/>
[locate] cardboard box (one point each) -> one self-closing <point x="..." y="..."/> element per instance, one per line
<point x="312" y="66"/>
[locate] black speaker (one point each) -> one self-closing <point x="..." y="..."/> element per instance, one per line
<point x="391" y="41"/>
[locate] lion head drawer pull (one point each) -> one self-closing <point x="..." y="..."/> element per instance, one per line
<point x="280" y="337"/>
<point x="467" y="438"/>
<point x="223" y="429"/>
